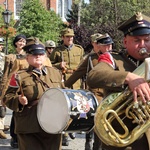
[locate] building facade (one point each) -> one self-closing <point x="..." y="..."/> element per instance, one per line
<point x="59" y="6"/>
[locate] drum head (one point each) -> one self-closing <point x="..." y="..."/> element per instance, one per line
<point x="53" y="111"/>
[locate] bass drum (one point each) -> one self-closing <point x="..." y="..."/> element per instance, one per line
<point x="66" y="110"/>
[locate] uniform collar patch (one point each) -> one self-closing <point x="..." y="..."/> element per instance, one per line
<point x="43" y="71"/>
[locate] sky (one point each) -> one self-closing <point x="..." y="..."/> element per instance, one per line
<point x="86" y="1"/>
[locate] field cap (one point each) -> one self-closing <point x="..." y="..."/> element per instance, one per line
<point x="67" y="32"/>
<point x="95" y="36"/>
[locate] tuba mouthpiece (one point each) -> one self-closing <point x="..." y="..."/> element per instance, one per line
<point x="143" y="51"/>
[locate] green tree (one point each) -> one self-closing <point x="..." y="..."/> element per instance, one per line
<point x="36" y="21"/>
<point x="105" y="16"/>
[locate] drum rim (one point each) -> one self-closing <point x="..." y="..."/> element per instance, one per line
<point x="67" y="118"/>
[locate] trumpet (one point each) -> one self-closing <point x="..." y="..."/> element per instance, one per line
<point x="132" y="119"/>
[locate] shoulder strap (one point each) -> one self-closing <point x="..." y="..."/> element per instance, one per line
<point x="41" y="81"/>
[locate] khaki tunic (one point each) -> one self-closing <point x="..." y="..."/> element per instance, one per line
<point x="15" y="65"/>
<point x="26" y="117"/>
<point x="72" y="56"/>
<point x="9" y="62"/>
<point x="85" y="66"/>
<point x="113" y="81"/>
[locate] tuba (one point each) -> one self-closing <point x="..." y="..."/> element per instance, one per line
<point x="119" y="121"/>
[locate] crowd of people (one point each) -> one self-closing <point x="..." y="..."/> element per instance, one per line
<point x="36" y="67"/>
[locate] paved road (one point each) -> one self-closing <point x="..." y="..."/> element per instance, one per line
<point x="76" y="144"/>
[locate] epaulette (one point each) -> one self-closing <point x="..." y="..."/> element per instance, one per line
<point x="56" y="69"/>
<point x="21" y="71"/>
<point x="11" y="57"/>
<point x="59" y="48"/>
<point x="23" y="74"/>
<point x="78" y="46"/>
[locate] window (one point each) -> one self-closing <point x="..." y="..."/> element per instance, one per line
<point x="66" y="7"/>
<point x="60" y="7"/>
<point x="17" y="8"/>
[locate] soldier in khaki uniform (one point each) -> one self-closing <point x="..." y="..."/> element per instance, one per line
<point x="49" y="46"/>
<point x="101" y="43"/>
<point x="66" y="58"/>
<point x="20" y="63"/>
<point x="136" y="38"/>
<point x="23" y="99"/>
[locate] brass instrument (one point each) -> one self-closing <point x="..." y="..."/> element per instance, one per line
<point x="133" y="119"/>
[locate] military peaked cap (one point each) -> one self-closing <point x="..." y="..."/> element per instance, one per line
<point x="138" y="24"/>
<point x="34" y="46"/>
<point x="105" y="39"/>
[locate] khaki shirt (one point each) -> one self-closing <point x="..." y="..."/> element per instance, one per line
<point x="25" y="117"/>
<point x="104" y="76"/>
<point x="72" y="56"/>
<point x="15" y="65"/>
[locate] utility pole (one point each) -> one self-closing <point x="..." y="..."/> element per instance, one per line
<point x="79" y="12"/>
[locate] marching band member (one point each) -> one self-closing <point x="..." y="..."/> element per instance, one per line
<point x="136" y="37"/>
<point x="23" y="94"/>
<point x="66" y="58"/>
<point x="101" y="43"/>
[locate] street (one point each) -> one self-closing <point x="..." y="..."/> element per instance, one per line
<point x="76" y="144"/>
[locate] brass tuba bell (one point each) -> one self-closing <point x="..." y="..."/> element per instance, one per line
<point x="118" y="120"/>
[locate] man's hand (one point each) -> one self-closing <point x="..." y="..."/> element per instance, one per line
<point x="63" y="64"/>
<point x="138" y="86"/>
<point x="23" y="100"/>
